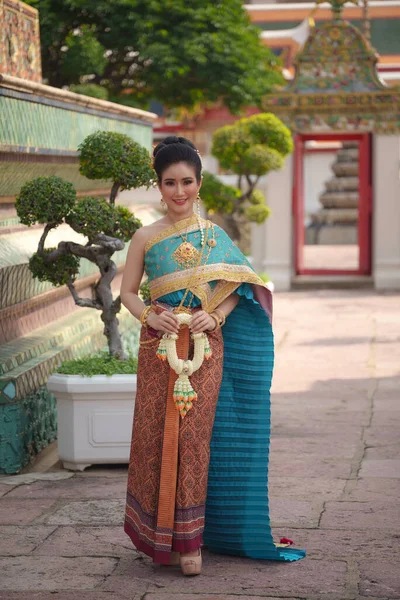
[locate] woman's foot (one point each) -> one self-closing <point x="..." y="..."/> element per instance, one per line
<point x="191" y="563"/>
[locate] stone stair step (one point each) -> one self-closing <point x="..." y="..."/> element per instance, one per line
<point x="345" y="169"/>
<point x="347" y="155"/>
<point x="342" y="184"/>
<point x="339" y="199"/>
<point x="29" y="347"/>
<point x="33" y="358"/>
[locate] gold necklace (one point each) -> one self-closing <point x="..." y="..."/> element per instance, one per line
<point x="186" y="255"/>
<point x="182" y="308"/>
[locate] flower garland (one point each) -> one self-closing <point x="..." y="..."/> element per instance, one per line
<point x="184" y="395"/>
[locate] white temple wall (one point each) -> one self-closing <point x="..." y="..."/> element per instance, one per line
<point x="273" y="241"/>
<point x="386" y="212"/>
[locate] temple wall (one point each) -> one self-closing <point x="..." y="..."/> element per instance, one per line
<point x="40" y="325"/>
<point x="273" y="241"/>
<point x="386" y="212"/>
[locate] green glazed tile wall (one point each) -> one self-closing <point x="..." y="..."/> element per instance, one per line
<point x="38" y="125"/>
<point x="14" y="174"/>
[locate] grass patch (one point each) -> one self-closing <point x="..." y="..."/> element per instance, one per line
<point x="101" y="363"/>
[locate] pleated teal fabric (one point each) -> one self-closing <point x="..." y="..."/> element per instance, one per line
<point x="237" y="511"/>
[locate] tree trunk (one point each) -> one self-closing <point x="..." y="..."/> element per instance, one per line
<point x="112" y="333"/>
<point x="103" y="291"/>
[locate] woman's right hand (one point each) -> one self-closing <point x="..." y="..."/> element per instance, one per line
<point x="166" y="322"/>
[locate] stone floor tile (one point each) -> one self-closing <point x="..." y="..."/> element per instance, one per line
<point x="197" y="596"/>
<point x="29" y="573"/>
<point x="87" y="541"/>
<point x="18" y="511"/>
<point x="293" y="464"/>
<point x="4" y="489"/>
<point x="361" y="516"/>
<point x="341" y="544"/>
<point x="380" y="578"/>
<point x="18" y="540"/>
<point x="70" y="595"/>
<point x="236" y="576"/>
<point x="90" y="512"/>
<point x="90" y="487"/>
<point x="381" y="468"/>
<point x="306" y="488"/>
<point x="374" y="489"/>
<point x="389" y="451"/>
<point x="289" y="512"/>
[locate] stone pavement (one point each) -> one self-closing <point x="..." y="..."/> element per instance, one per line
<point x="334" y="481"/>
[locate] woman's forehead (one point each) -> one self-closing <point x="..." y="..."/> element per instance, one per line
<point x="179" y="171"/>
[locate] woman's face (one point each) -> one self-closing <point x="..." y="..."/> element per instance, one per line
<point x="179" y="189"/>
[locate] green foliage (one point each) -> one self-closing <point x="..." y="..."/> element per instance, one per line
<point x="82" y="53"/>
<point x="268" y="130"/>
<point x="257" y="197"/>
<point x="124" y="224"/>
<point x="257" y="213"/>
<point x="115" y="156"/>
<point x="260" y="160"/>
<point x="101" y="363"/>
<point x="252" y="146"/>
<point x="90" y="89"/>
<point x="58" y="271"/>
<point x="264" y="277"/>
<point x="180" y="53"/>
<point x="45" y="200"/>
<point x="229" y="143"/>
<point x="90" y="216"/>
<point x="144" y="291"/>
<point x="216" y="196"/>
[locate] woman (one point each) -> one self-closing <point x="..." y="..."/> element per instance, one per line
<point x="194" y="268"/>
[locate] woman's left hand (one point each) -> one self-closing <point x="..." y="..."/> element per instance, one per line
<point x="201" y="321"/>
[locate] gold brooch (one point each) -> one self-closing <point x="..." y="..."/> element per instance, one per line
<point x="186" y="255"/>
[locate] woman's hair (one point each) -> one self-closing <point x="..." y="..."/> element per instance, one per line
<point x="173" y="150"/>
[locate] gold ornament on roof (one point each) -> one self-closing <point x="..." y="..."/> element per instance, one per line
<point x="337" y="6"/>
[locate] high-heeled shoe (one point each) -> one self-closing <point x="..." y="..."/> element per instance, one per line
<point x="191" y="565"/>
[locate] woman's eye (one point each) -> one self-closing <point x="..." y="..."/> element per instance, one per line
<point x="188" y="182"/>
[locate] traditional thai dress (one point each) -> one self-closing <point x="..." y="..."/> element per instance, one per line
<point x="204" y="477"/>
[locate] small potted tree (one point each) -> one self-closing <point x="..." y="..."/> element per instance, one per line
<point x="95" y="395"/>
<point x="250" y="148"/>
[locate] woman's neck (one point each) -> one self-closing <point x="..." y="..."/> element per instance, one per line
<point x="173" y="219"/>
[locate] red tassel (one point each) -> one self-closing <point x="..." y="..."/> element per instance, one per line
<point x="286" y="541"/>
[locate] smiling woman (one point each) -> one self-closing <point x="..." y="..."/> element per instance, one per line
<point x="199" y="283"/>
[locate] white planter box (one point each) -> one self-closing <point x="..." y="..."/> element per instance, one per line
<point x="95" y="416"/>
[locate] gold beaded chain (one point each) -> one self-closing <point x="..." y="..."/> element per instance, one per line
<point x="181" y="308"/>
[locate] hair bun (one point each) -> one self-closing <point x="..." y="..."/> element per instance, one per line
<point x="173" y="139"/>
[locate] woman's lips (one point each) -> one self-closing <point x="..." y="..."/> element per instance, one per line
<point x="180" y="201"/>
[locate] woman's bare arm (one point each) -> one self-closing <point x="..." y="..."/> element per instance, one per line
<point x="133" y="273"/>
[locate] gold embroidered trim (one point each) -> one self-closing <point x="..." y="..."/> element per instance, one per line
<point x="232" y="274"/>
<point x="190" y="224"/>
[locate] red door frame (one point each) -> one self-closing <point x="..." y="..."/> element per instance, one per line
<point x="364" y="208"/>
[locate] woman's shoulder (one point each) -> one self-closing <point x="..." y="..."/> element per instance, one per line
<point x="145" y="233"/>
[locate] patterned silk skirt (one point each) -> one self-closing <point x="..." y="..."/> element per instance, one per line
<point x="169" y="461"/>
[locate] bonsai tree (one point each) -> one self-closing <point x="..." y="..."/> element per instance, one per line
<point x="52" y="201"/>
<point x="250" y="148"/>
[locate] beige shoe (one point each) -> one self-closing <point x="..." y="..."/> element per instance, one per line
<point x="191" y="565"/>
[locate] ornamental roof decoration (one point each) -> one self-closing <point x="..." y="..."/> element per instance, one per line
<point x="336" y="85"/>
